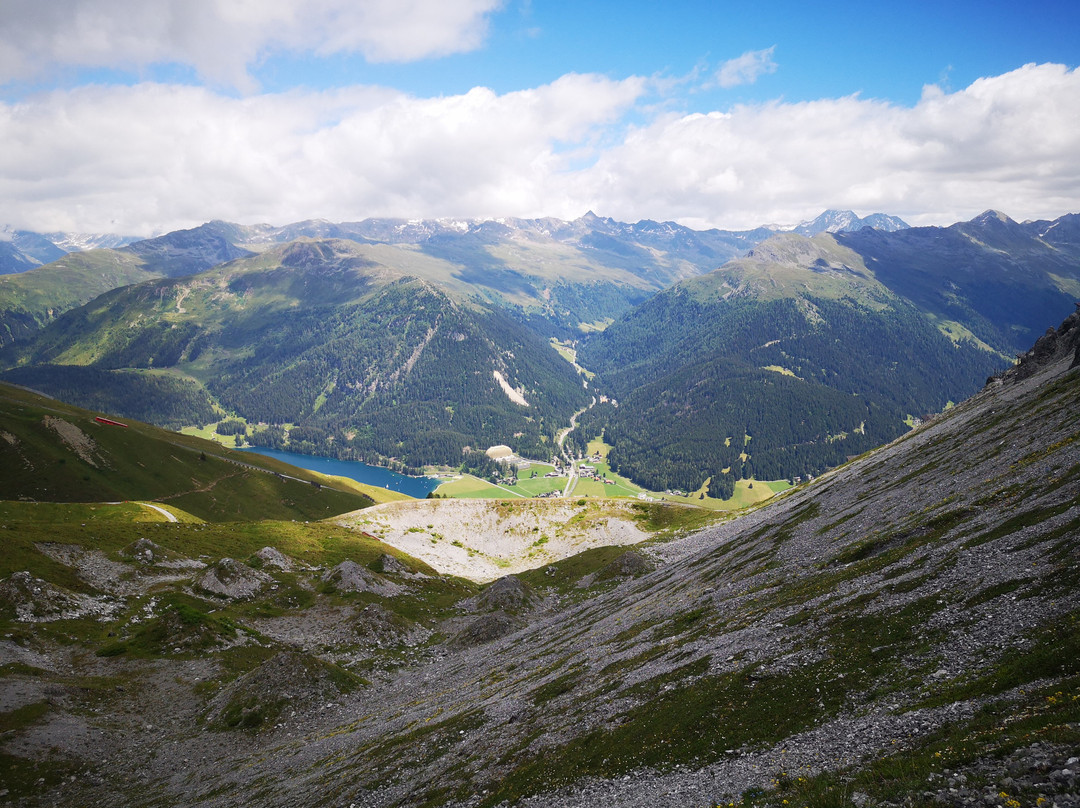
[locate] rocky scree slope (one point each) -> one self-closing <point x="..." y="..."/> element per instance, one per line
<point x="904" y="631"/>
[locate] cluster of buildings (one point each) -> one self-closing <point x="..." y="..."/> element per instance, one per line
<point x="590" y="473"/>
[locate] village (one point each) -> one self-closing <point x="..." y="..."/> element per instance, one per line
<point x="587" y="475"/>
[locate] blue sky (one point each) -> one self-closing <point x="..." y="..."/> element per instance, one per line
<point x="141" y="116"/>
<point x="881" y="50"/>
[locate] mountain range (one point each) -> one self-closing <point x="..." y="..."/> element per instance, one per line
<point x="21" y="250"/>
<point x="561" y="274"/>
<point x="777" y="364"/>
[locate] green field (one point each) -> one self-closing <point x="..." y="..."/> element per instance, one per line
<point x="207" y="433"/>
<point x="531" y="486"/>
<point x="744" y="497"/>
<point x="469" y="487"/>
<point x="594" y="488"/>
<point x="566" y="351"/>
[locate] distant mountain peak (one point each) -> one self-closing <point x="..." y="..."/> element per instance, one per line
<point x="990" y="216"/>
<point x="845" y="221"/>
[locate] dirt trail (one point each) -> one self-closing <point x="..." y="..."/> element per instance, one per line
<point x="170" y="517"/>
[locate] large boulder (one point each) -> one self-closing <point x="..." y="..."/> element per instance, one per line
<point x="147" y="554"/>
<point x="272" y="557"/>
<point x="35" y="600"/>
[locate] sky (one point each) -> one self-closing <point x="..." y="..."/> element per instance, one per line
<point x="143" y="116"/>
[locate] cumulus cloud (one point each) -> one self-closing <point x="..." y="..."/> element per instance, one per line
<point x="1008" y="142"/>
<point x="746" y="69"/>
<point x="220" y="39"/>
<point x="153" y="157"/>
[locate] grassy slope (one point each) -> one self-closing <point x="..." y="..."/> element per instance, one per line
<point x="30" y="299"/>
<point x="789" y="266"/>
<point x="143" y="462"/>
<point x="110" y="528"/>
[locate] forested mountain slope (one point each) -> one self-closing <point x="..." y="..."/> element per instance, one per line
<point x="365" y="361"/>
<point x="778" y="365"/>
<point x="865" y="328"/>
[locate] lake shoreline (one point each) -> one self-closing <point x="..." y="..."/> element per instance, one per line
<point x="418" y="487"/>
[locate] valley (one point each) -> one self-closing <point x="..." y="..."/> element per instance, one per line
<point x="901" y="623"/>
<point x="780" y="533"/>
<point x="482" y="404"/>
<point x="420" y="345"/>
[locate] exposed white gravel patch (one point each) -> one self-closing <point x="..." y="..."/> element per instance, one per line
<point x="486" y="539"/>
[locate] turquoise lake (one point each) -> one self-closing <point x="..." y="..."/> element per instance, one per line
<point x="418" y="487"/>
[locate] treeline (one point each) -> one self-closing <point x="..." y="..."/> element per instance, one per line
<point x="408" y="378"/>
<point x="689" y="379"/>
<point x="168" y="401"/>
<point x="400" y="375"/>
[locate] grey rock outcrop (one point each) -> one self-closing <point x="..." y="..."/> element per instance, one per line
<point x="348" y="576"/>
<point x="233" y="579"/>
<point x="508" y="594"/>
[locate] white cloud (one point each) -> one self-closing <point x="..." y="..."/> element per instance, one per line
<point x="153" y="157"/>
<point x="746" y="69"/>
<point x="220" y="39"/>
<point x="1008" y="142"/>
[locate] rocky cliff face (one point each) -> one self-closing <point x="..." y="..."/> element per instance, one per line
<point x="1055" y="344"/>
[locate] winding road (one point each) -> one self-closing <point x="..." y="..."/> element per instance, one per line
<point x="571" y="465"/>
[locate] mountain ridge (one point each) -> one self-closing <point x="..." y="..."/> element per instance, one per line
<point x="907" y="321"/>
<point x="644" y="256"/>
